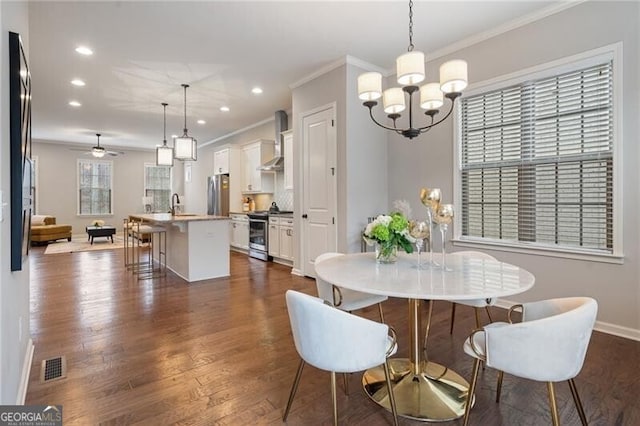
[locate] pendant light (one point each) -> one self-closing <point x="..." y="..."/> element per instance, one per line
<point x="409" y="73"/>
<point x="98" y="151"/>
<point x="164" y="153"/>
<point x="185" y="147"/>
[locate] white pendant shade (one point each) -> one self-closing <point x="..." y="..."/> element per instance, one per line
<point x="370" y="86"/>
<point x="164" y="156"/>
<point x="185" y="148"/>
<point x="431" y="97"/>
<point x="410" y="68"/>
<point x="453" y="76"/>
<point x="393" y="100"/>
<point x="98" y="152"/>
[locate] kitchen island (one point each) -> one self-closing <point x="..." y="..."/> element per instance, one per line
<point x="197" y="245"/>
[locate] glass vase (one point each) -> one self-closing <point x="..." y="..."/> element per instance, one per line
<point x="386" y="253"/>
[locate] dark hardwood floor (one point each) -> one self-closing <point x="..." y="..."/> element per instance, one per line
<point x="220" y="352"/>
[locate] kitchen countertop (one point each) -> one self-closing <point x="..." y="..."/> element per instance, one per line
<point x="180" y="218"/>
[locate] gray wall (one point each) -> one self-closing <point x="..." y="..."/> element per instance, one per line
<point x="429" y="160"/>
<point x="365" y="165"/>
<point x="15" y="343"/>
<point x="361" y="151"/>
<point x="57" y="184"/>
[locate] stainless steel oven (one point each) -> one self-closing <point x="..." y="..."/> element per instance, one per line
<point x="259" y="235"/>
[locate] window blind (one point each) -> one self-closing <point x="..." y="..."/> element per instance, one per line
<point x="94" y="187"/>
<point x="537" y="162"/>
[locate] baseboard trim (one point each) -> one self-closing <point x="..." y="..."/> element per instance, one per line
<point x="26" y="372"/>
<point x="296" y="271"/>
<point x="601" y="326"/>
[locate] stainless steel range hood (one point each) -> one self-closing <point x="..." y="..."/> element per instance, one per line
<point x="277" y="162"/>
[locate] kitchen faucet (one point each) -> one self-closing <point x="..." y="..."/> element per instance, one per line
<point x="175" y="197"/>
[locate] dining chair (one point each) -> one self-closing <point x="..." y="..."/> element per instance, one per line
<point x="345" y="299"/>
<point x="549" y="345"/>
<point x="337" y="341"/>
<point x="477" y="304"/>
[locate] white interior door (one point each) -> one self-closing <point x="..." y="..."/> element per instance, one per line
<point x="319" y="203"/>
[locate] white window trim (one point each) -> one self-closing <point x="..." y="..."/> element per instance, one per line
<point x="581" y="60"/>
<point x="78" y="162"/>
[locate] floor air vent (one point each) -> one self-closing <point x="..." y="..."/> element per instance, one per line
<point x="53" y="369"/>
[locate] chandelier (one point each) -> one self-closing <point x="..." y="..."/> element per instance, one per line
<point x="185" y="146"/>
<point x="409" y="73"/>
<point x="98" y="151"/>
<point x="164" y="153"/>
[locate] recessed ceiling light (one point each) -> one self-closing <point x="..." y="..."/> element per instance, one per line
<point x="202" y="122"/>
<point x="78" y="82"/>
<point x="256" y="90"/>
<point x="224" y="108"/>
<point x="75" y="104"/>
<point x="83" y="50"/>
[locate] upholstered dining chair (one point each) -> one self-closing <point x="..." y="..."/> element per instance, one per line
<point x="477" y="304"/>
<point x="336" y="341"/>
<point x="549" y="345"/>
<point x="345" y="299"/>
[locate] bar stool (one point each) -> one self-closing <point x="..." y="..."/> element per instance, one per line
<point x="157" y="236"/>
<point x="128" y="242"/>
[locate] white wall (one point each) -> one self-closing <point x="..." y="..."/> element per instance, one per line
<point x="15" y="342"/>
<point x="428" y="161"/>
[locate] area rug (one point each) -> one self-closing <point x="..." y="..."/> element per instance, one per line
<point x="79" y="243"/>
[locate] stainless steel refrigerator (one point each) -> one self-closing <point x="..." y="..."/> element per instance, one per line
<point x="218" y="195"/>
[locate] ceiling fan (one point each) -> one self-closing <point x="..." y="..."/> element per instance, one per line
<point x="99" y="151"/>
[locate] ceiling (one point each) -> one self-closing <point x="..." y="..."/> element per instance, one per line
<point x="144" y="51"/>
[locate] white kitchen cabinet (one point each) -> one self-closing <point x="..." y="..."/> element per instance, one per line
<point x="221" y="162"/>
<point x="274" y="237"/>
<point x="286" y="239"/>
<point x="287" y="142"/>
<point x="239" y="231"/>
<point x="254" y="155"/>
<point x="281" y="238"/>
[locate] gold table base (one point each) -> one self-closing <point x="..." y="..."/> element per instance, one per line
<point x="435" y="394"/>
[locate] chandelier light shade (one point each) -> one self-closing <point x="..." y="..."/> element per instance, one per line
<point x="185" y="147"/>
<point x="164" y="153"/>
<point x="453" y="76"/>
<point x="393" y="100"/>
<point x="431" y="97"/>
<point x="98" y="151"/>
<point x="410" y="72"/>
<point x="370" y="86"/>
<point x="410" y="68"/>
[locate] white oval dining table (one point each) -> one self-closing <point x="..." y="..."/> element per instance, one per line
<point x="423" y="390"/>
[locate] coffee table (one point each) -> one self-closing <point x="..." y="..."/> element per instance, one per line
<point x="100" y="231"/>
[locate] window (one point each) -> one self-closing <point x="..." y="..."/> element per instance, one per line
<point x="157" y="186"/>
<point x="536" y="161"/>
<point x="95" y="180"/>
